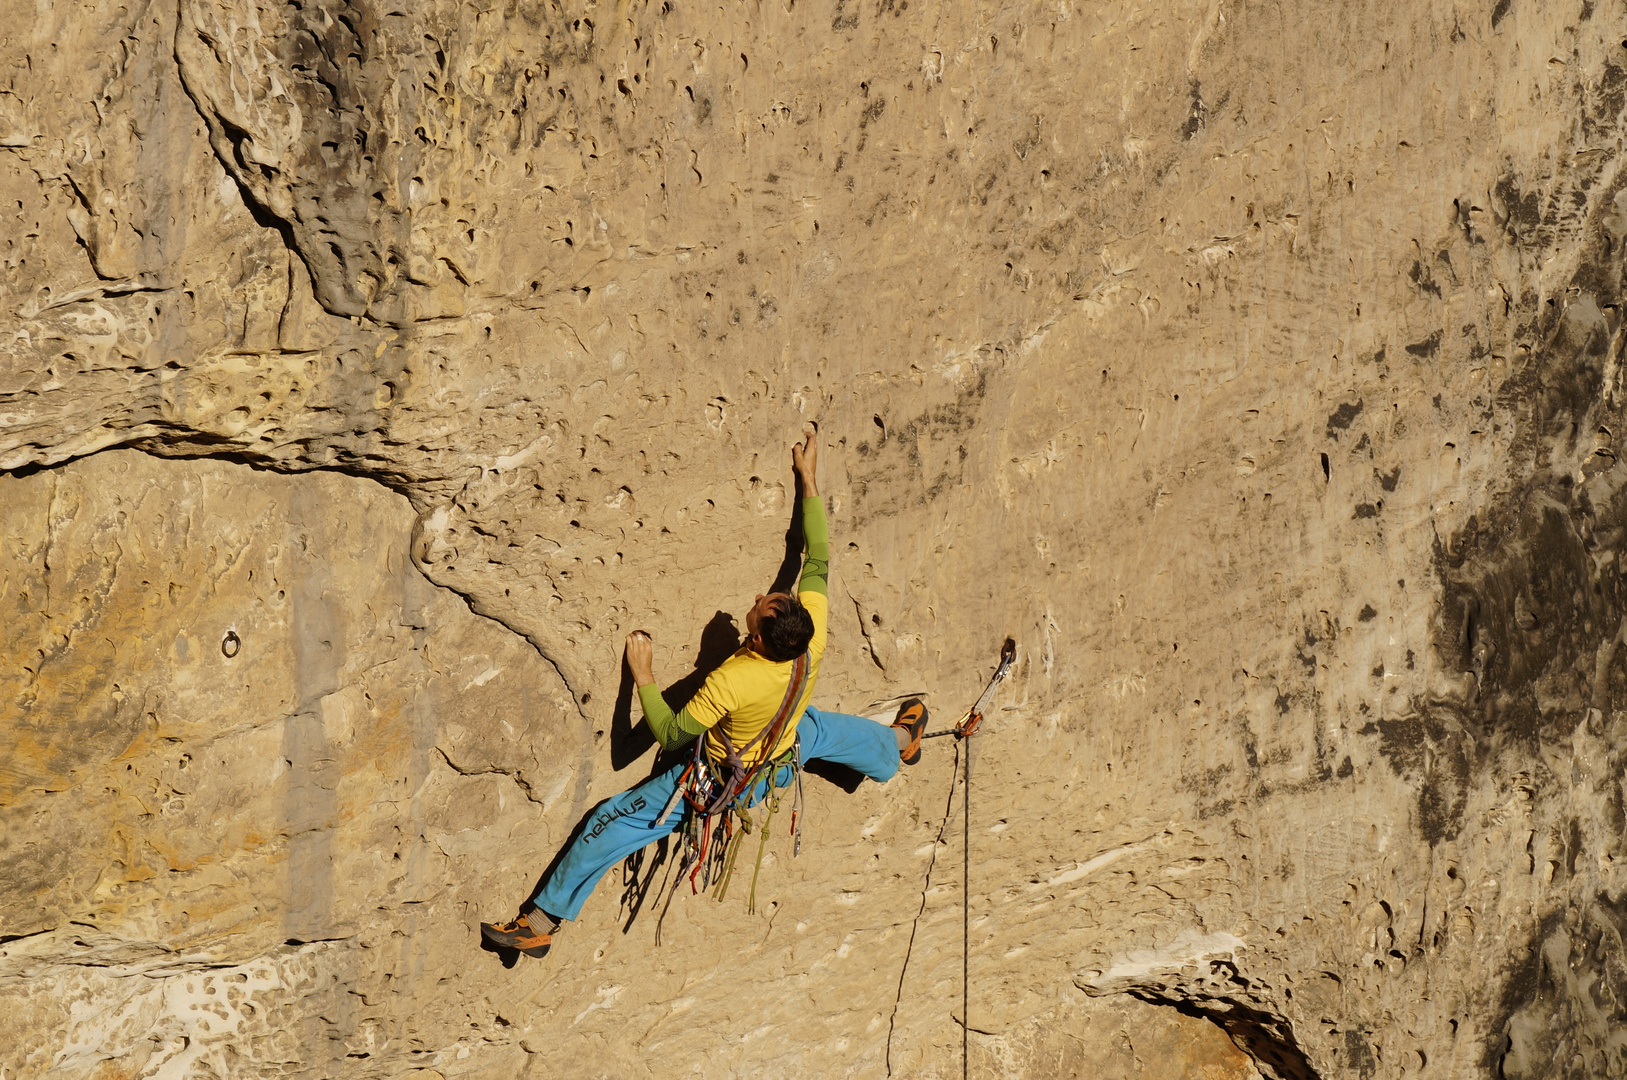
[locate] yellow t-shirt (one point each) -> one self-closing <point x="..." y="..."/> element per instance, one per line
<point x="745" y="691"/>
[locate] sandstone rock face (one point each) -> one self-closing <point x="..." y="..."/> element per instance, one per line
<point x="369" y="371"/>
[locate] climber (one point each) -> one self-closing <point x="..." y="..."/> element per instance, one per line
<point x="765" y="686"/>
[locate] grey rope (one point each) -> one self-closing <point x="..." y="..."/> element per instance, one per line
<point x="948" y="810"/>
<point x="966" y="918"/>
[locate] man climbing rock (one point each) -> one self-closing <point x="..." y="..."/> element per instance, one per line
<point x="753" y="717"/>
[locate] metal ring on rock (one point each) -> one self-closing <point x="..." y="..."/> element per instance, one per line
<point x="230" y="644"/>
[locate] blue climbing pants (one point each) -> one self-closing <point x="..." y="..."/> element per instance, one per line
<point x="620" y="826"/>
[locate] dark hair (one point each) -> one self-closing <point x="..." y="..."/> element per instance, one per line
<point x="786" y="630"/>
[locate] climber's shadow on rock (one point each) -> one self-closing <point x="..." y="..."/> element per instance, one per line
<point x="509" y="957"/>
<point x="628" y="741"/>
<point x="785" y="579"/>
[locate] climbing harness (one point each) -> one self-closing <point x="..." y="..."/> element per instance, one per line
<point x="962" y="732"/>
<point x="716" y="814"/>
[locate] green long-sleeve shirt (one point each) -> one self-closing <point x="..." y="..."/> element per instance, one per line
<point x="674" y="729"/>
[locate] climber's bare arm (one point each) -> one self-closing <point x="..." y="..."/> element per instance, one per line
<point x="670" y="729"/>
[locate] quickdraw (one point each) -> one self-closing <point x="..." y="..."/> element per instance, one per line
<point x="974" y="716"/>
<point x="716" y="817"/>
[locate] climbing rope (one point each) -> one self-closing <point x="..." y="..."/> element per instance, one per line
<point x="966" y="915"/>
<point x="957" y="776"/>
<point x="962" y="732"/>
<point x="909" y="950"/>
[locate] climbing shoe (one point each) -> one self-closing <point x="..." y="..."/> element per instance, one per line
<point x="523" y="933"/>
<point x="912" y="718"/>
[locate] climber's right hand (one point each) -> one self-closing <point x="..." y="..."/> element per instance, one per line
<point x="805" y="463"/>
<point x="641" y="657"/>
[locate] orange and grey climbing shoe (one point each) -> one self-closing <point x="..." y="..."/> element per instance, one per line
<point x="523" y="933"/>
<point x="912" y="718"/>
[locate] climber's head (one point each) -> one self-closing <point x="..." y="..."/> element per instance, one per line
<point x="779" y="627"/>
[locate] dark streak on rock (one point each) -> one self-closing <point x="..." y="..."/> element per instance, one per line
<point x="1197" y="116"/>
<point x="1427" y="347"/>
<point x="1341" y="418"/>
